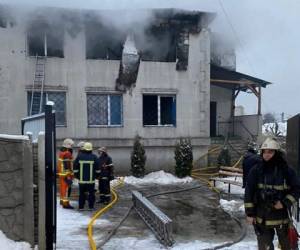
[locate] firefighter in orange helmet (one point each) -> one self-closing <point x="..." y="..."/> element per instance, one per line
<point x="65" y="171"/>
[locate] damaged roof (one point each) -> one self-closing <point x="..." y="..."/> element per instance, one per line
<point x="224" y="77"/>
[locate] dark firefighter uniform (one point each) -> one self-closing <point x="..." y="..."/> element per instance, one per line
<point x="250" y="160"/>
<point x="105" y="175"/>
<point x="85" y="166"/>
<point x="267" y="183"/>
<point x="65" y="172"/>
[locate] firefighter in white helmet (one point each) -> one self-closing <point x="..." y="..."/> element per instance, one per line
<point x="65" y="171"/>
<point x="85" y="167"/>
<point x="272" y="188"/>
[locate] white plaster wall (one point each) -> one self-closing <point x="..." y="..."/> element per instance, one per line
<point x="75" y="73"/>
<point x="223" y="98"/>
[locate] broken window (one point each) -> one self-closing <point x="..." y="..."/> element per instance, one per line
<point x="157" y="44"/>
<point x="104" y="110"/>
<point x="3" y="21"/>
<point x="59" y="99"/>
<point x="45" y="40"/>
<point x="103" y="42"/>
<point x="129" y="66"/>
<point x="159" y="110"/>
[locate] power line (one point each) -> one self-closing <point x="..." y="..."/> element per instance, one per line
<point x="236" y="36"/>
<point x="240" y="44"/>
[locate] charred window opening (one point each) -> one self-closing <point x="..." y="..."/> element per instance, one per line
<point x="3" y="23"/>
<point x="159" y="110"/>
<point x="45" y="40"/>
<point x="103" y="42"/>
<point x="129" y="66"/>
<point x="158" y="44"/>
<point x="3" y="17"/>
<point x="182" y="50"/>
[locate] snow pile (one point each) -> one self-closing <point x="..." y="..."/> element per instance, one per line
<point x="232" y="206"/>
<point x="14" y="137"/>
<point x="234" y="189"/>
<point x="270" y="129"/>
<point x="8" y="244"/>
<point x="159" y="177"/>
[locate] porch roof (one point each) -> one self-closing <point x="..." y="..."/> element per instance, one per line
<point x="234" y="80"/>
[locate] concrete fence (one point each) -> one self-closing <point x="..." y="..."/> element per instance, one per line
<point x="16" y="188"/>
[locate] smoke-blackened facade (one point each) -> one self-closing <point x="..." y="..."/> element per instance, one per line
<point x="111" y="77"/>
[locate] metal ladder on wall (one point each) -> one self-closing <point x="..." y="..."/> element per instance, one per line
<point x="37" y="91"/>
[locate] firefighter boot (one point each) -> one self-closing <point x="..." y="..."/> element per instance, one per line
<point x="66" y="204"/>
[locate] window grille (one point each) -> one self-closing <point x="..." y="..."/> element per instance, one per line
<point x="59" y="99"/>
<point x="104" y="110"/>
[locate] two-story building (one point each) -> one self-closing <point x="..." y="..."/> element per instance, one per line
<point x="113" y="80"/>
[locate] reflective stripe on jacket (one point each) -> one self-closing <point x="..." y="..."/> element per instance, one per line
<point x="265" y="186"/>
<point x="65" y="163"/>
<point x="85" y="167"/>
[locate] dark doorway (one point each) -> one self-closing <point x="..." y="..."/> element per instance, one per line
<point x="213" y="119"/>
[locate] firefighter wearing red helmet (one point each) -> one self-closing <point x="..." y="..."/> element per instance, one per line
<point x="65" y="172"/>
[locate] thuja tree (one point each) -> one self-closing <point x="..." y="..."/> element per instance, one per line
<point x="183" y="158"/>
<point x="224" y="158"/>
<point x="138" y="158"/>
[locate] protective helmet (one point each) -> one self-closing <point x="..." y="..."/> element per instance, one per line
<point x="103" y="149"/>
<point x="270" y="143"/>
<point x="80" y="144"/>
<point x="252" y="146"/>
<point x="87" y="146"/>
<point x="68" y="143"/>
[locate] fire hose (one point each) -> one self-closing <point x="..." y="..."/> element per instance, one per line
<point x="223" y="245"/>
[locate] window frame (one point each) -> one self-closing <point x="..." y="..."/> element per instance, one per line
<point x="108" y="125"/>
<point x="159" y="95"/>
<point x="45" y="100"/>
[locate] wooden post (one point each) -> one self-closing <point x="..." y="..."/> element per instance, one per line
<point x="259" y="101"/>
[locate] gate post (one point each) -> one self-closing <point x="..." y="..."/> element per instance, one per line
<point x="50" y="177"/>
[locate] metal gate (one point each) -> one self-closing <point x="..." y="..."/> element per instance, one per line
<point x="293" y="147"/>
<point x="45" y="122"/>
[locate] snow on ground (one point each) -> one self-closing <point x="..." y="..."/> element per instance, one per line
<point x="151" y="243"/>
<point x="233" y="188"/>
<point x="269" y="128"/>
<point x="14" y="137"/>
<point x="232" y="205"/>
<point x="159" y="177"/>
<point x="8" y="244"/>
<point x="72" y="225"/>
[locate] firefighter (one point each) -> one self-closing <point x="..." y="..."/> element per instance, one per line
<point x="80" y="147"/>
<point x="251" y="158"/>
<point x="85" y="167"/>
<point x="272" y="189"/>
<point x="105" y="174"/>
<point x="65" y="172"/>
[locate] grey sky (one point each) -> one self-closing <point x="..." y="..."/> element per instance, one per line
<point x="265" y="34"/>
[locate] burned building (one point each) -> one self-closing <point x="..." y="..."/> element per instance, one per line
<point x="112" y="78"/>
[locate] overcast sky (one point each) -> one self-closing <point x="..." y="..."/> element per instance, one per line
<point x="265" y="34"/>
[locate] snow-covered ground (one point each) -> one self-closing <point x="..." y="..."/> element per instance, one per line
<point x="159" y="177"/>
<point x="269" y="128"/>
<point x="72" y="225"/>
<point x="7" y="244"/>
